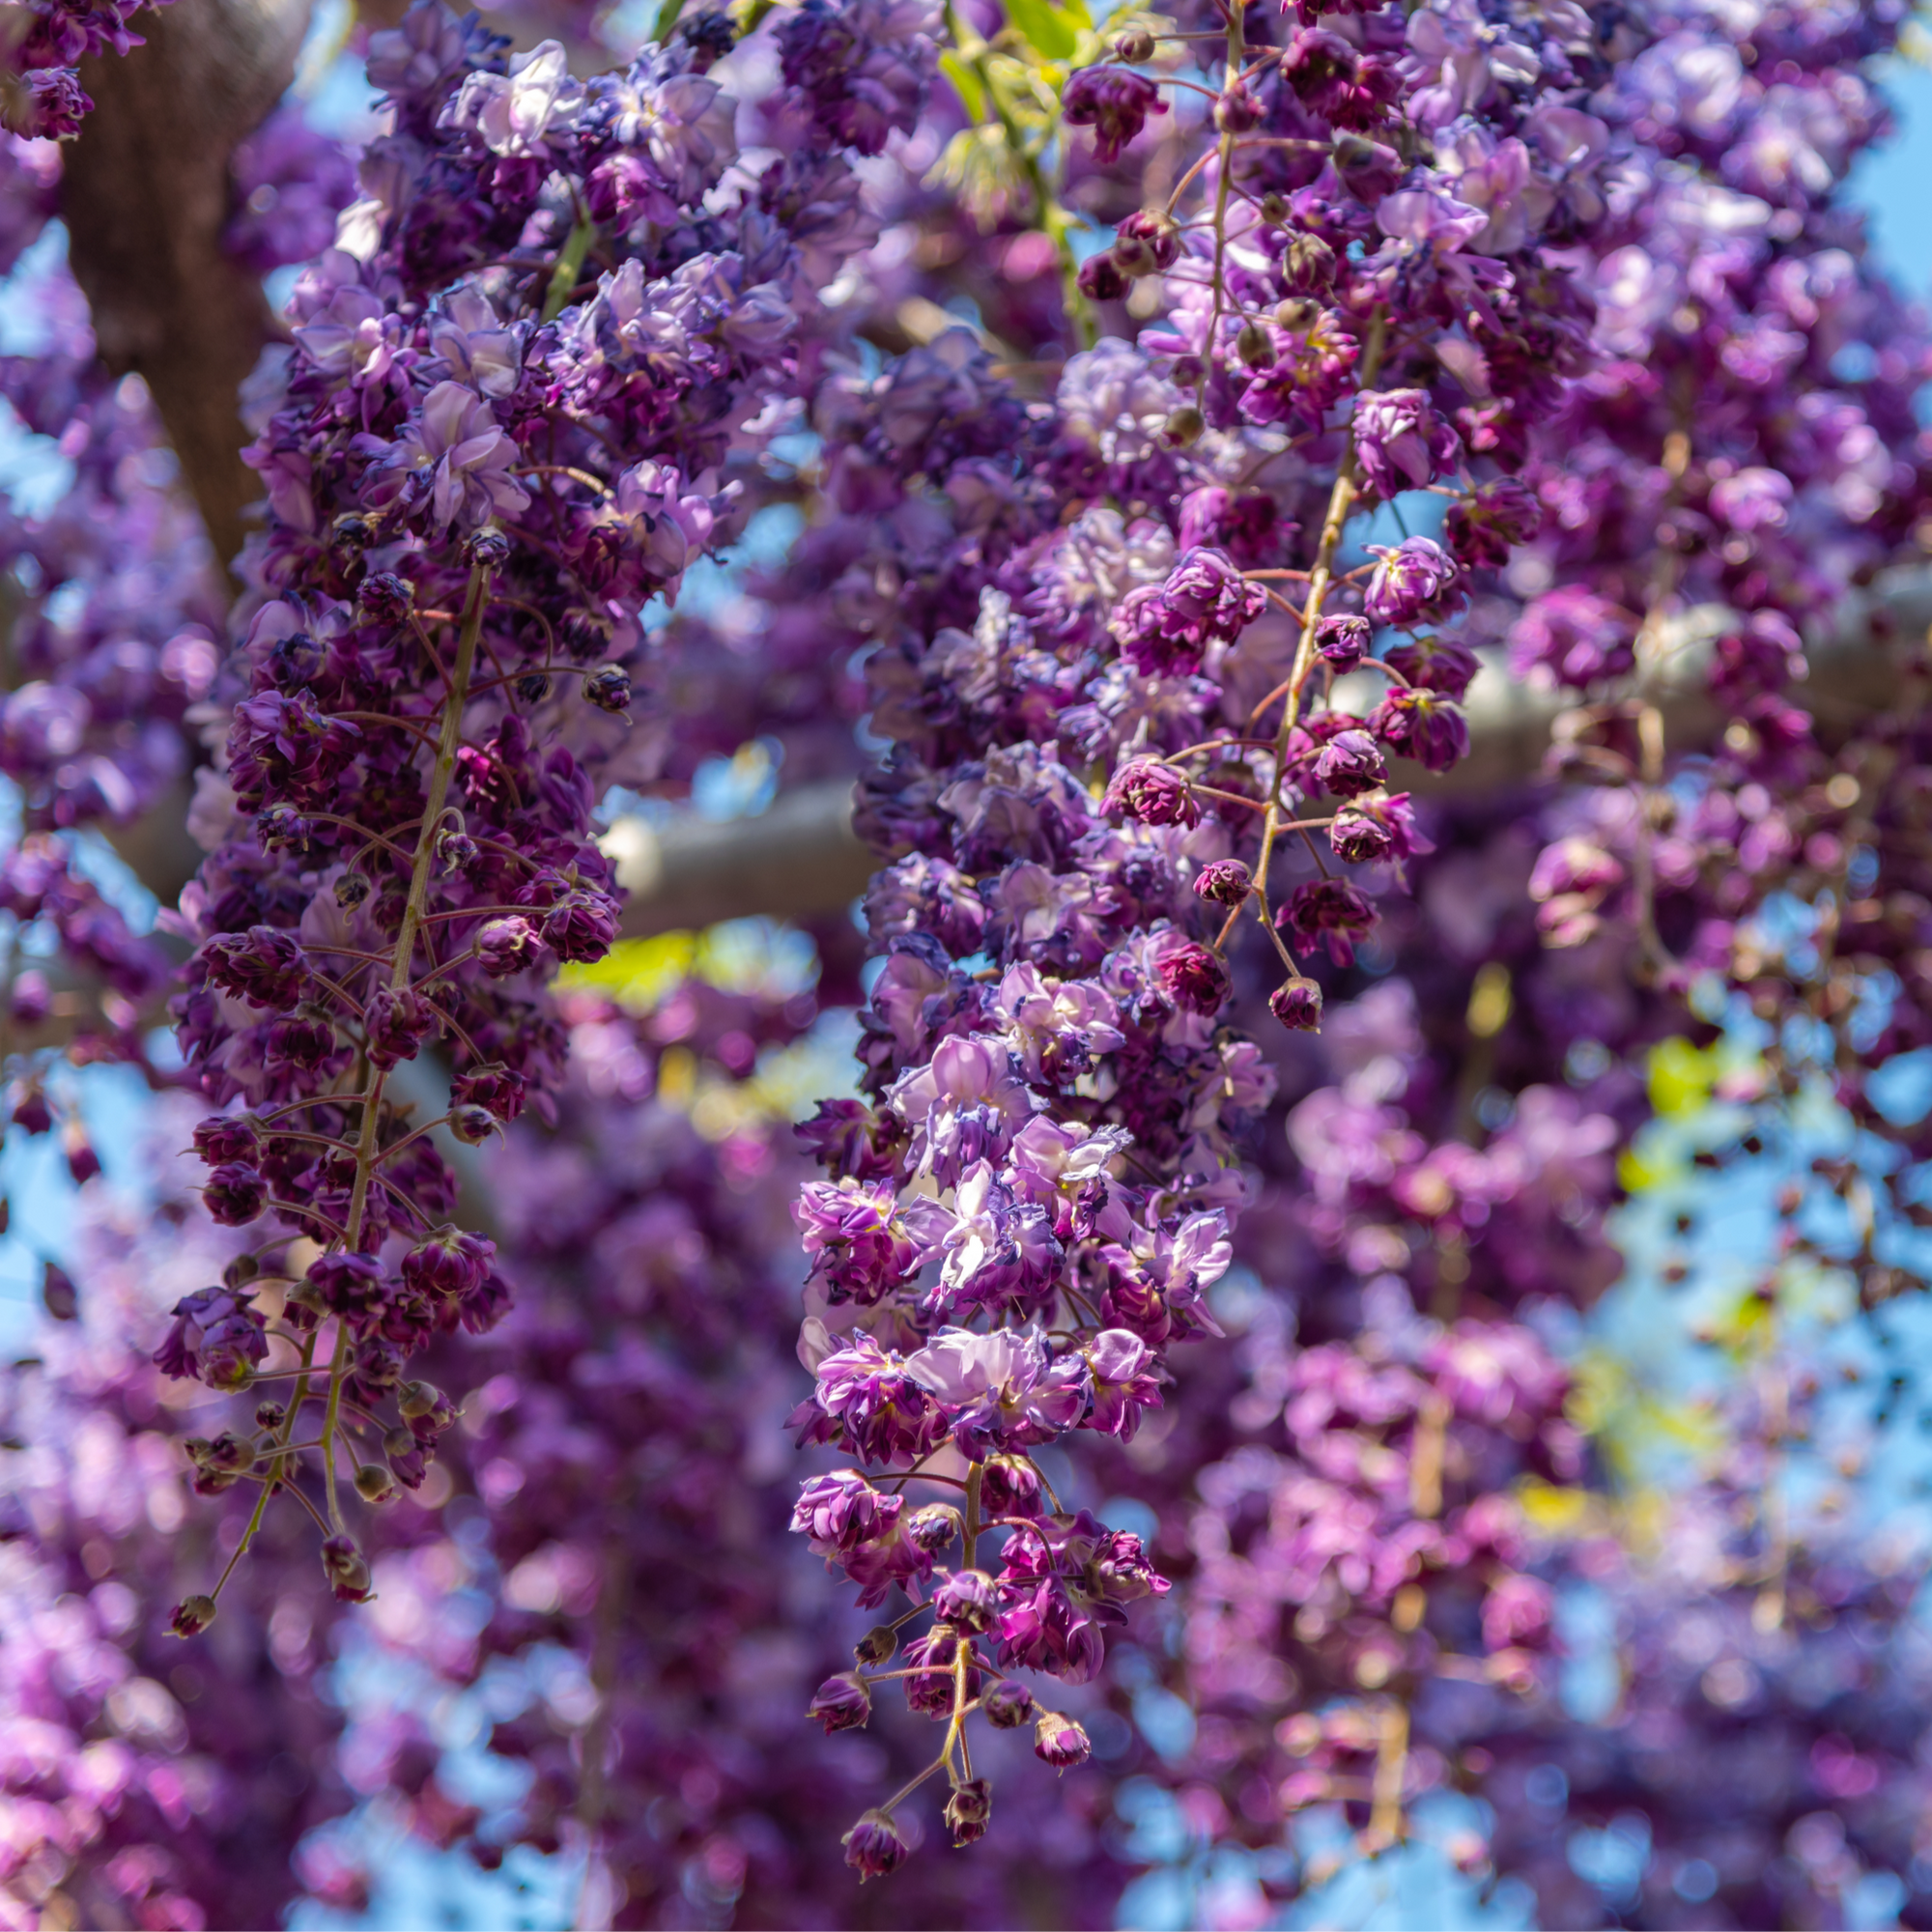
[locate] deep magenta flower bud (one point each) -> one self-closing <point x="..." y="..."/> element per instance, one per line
<point x="877" y="1645"/>
<point x="472" y="1126"/>
<point x="1007" y="1705"/>
<point x="496" y="1088"/>
<point x="264" y="966"/>
<point x="934" y="1527"/>
<point x="1154" y="793"/>
<point x="507" y="945"/>
<point x="374" y="1484"/>
<point x="1359" y="836"/>
<point x="346" y="1569"/>
<point x="398" y="1023"/>
<point x="296" y="660"/>
<point x="31" y="1113"/>
<point x="875" y="1846"/>
<point x="226" y="1137"/>
<point x="303" y="1039"/>
<point x="1101" y="278"/>
<point x="384" y="598"/>
<point x="349" y="1285"/>
<point x="1114" y="103"/>
<point x="451" y="1262"/>
<point x="1009" y="1485"/>
<point x="1308" y="264"/>
<point x="1059" y="1742"/>
<point x="1332" y="911"/>
<point x="1225" y="882"/>
<point x="1195" y="978"/>
<point x="280" y="826"/>
<point x="1239" y="109"/>
<point x="609" y="688"/>
<point x="1349" y="764"/>
<point x="1148" y="242"/>
<point x="82" y="1162"/>
<point x="967" y="1598"/>
<point x="969" y="1810"/>
<point x="1298" y="1005"/>
<point x="1344" y="641"/>
<point x="455" y="850"/>
<point x="58" y="1294"/>
<point x="581" y="925"/>
<point x="52" y="104"/>
<point x="842" y="1703"/>
<point x="233" y="1194"/>
<point x="1416" y="577"/>
<point x="191" y="1616"/>
<point x="270" y="1415"/>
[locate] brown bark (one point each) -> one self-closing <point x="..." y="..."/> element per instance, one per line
<point x="146" y="196"/>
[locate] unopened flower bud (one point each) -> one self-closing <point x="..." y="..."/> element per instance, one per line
<point x="1007" y="1705"/>
<point x="351" y="889"/>
<point x="875" y="1846"/>
<point x="230" y="1454"/>
<point x="1298" y="1005"/>
<point x="235" y="1194"/>
<point x="270" y="1415"/>
<point x="400" y="1441"/>
<point x="374" y="1484"/>
<point x="472" y="1126"/>
<point x="609" y="688"/>
<point x="1273" y="208"/>
<point x="384" y="598"/>
<point x="418" y="1399"/>
<point x="455" y="850"/>
<point x="488" y="548"/>
<point x="1224" y="881"/>
<point x="1059" y="1742"/>
<point x="1308" y="264"/>
<point x="1101" y="278"/>
<point x="1254" y="346"/>
<point x="1184" y="426"/>
<point x="967" y="1599"/>
<point x="58" y="1294"/>
<point x="1296" y="314"/>
<point x="934" y="1527"/>
<point x="191" y="1616"/>
<point x="1239" y="111"/>
<point x="533" y="686"/>
<point x="1343" y="642"/>
<point x="1146" y="242"/>
<point x="346" y="1569"/>
<point x="352" y="533"/>
<point x="877" y="1645"/>
<point x="842" y="1703"/>
<point x="1136" y="48"/>
<point x="969" y="1810"/>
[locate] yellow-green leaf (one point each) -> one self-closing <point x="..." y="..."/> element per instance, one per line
<point x="972" y="96"/>
<point x="1049" y="29"/>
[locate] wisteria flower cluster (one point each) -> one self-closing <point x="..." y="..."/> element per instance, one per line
<point x="1134" y="744"/>
<point x="1473" y="338"/>
<point x="41" y="45"/>
<point x="501" y="429"/>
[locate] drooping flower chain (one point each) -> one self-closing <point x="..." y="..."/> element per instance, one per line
<point x="1130" y="744"/>
<point x="504" y="426"/>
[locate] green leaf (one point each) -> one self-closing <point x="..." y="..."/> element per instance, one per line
<point x="1049" y="29"/>
<point x="966" y="83"/>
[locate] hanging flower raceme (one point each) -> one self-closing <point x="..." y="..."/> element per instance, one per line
<point x="500" y="432"/>
<point x="1113" y="734"/>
